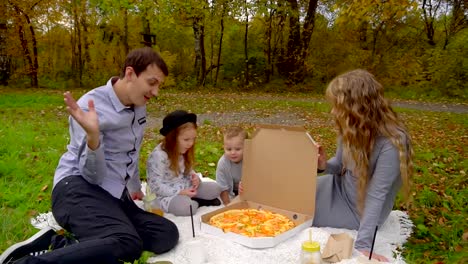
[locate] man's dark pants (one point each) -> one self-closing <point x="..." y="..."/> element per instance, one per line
<point x="109" y="230"/>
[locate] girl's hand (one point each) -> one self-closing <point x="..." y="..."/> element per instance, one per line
<point x="195" y="180"/>
<point x="190" y="192"/>
<point x="374" y="256"/>
<point x="241" y="189"/>
<point x="137" y="195"/>
<point x="322" y="158"/>
<point x="87" y="120"/>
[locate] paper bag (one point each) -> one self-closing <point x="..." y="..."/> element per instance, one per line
<point x="338" y="247"/>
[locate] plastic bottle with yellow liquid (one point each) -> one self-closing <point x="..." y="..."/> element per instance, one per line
<point x="310" y="253"/>
<point x="150" y="203"/>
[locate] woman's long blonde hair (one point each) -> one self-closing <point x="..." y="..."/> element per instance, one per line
<point x="169" y="144"/>
<point x="362" y="114"/>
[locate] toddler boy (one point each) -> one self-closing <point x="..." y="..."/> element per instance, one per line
<point x="229" y="169"/>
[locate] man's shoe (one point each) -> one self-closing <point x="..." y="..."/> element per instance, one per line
<point x="60" y="241"/>
<point x="34" y="246"/>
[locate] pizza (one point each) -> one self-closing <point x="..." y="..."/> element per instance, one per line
<point x="252" y="222"/>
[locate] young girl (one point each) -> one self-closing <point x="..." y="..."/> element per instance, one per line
<point x="169" y="168"/>
<point x="372" y="161"/>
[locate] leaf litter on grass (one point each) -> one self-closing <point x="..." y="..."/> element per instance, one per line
<point x="440" y="139"/>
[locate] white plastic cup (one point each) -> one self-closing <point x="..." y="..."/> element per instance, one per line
<point x="196" y="251"/>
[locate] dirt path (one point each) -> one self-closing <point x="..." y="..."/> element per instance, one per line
<point x="287" y="117"/>
<point x="435" y="107"/>
<point x="459" y="108"/>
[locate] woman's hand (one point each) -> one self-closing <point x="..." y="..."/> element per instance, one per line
<point x="190" y="192"/>
<point x="195" y="180"/>
<point x="322" y="158"/>
<point x="374" y="256"/>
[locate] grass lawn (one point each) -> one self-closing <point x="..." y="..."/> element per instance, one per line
<point x="34" y="134"/>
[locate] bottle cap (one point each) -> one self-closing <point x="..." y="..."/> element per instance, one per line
<point x="311" y="246"/>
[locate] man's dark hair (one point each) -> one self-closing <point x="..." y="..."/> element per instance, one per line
<point x="140" y="58"/>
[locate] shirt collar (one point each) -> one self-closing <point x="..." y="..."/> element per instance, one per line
<point x="113" y="96"/>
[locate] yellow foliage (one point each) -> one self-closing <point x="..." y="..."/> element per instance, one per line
<point x="171" y="60"/>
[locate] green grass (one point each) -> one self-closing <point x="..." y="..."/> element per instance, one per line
<point x="428" y="94"/>
<point x="32" y="138"/>
<point x="34" y="134"/>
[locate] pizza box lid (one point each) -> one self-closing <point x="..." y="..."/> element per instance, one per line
<point x="279" y="169"/>
<point x="279" y="172"/>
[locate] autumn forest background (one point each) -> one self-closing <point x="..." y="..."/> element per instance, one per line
<point x="420" y="45"/>
<point x="242" y="62"/>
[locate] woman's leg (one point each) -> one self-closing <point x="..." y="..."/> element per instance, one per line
<point x="331" y="206"/>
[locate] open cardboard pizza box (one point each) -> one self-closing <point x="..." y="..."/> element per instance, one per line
<point x="279" y="174"/>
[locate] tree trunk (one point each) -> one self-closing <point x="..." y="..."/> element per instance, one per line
<point x="429" y="13"/>
<point x="363" y="35"/>
<point x="375" y="37"/>
<point x="147" y="40"/>
<point x="458" y="19"/>
<point x="246" y="72"/>
<point x="212" y="52"/>
<point x="220" y="44"/>
<point x="289" y="63"/>
<point x="203" y="56"/>
<point x="268" y="34"/>
<point x="279" y="52"/>
<point x="27" y="54"/>
<point x="32" y="61"/>
<point x="4" y="59"/>
<point x="307" y="31"/>
<point x="292" y="63"/>
<point x="200" y="60"/>
<point x="87" y="56"/>
<point x="211" y="57"/>
<point x="35" y="68"/>
<point x="77" y="53"/>
<point x="125" y="36"/>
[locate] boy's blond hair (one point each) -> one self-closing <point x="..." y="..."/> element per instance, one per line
<point x="234" y="132"/>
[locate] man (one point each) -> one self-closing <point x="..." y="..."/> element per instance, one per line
<point x="97" y="178"/>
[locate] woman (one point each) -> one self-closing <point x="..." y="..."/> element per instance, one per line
<point x="372" y="161"/>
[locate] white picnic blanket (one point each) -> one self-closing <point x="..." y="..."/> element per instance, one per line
<point x="390" y="238"/>
<point x="391" y="235"/>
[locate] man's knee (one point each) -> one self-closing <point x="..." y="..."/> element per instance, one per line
<point x="131" y="247"/>
<point x="167" y="239"/>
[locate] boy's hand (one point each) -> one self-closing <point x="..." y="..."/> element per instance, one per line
<point x="87" y="120"/>
<point x="241" y="189"/>
<point x="195" y="180"/>
<point x="190" y="192"/>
